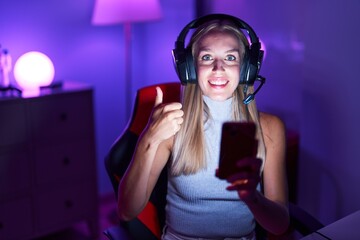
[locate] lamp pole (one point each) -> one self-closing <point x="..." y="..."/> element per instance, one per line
<point x="126" y="12"/>
<point x="128" y="69"/>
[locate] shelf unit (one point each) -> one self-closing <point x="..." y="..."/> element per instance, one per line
<point x="48" y="178"/>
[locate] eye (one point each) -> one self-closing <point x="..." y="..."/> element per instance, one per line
<point x="206" y="57"/>
<point x="230" y="58"/>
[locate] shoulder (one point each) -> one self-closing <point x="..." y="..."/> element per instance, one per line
<point x="268" y="120"/>
<point x="272" y="126"/>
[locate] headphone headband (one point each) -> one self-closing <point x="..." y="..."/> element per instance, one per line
<point x="198" y="22"/>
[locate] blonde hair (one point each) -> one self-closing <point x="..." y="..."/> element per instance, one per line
<point x="188" y="155"/>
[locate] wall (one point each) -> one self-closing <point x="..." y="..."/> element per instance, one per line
<point x="311" y="68"/>
<point x="330" y="114"/>
<point x="276" y="26"/>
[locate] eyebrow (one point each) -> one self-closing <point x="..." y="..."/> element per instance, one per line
<point x="228" y="51"/>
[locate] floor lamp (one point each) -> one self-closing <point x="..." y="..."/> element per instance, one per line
<point x="126" y="12"/>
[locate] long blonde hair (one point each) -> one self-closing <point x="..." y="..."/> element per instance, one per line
<point x="188" y="155"/>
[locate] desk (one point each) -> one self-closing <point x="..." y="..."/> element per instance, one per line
<point x="346" y="228"/>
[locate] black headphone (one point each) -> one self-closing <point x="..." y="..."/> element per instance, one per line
<point x="184" y="60"/>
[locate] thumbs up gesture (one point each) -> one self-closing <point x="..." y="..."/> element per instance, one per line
<point x="166" y="119"/>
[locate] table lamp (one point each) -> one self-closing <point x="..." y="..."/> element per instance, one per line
<point x="126" y="12"/>
<point x="33" y="70"/>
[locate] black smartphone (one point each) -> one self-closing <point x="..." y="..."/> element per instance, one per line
<point x="237" y="141"/>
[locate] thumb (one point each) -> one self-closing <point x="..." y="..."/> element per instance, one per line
<point x="159" y="97"/>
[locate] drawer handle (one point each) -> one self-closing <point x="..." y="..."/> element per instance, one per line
<point x="68" y="204"/>
<point x="66" y="161"/>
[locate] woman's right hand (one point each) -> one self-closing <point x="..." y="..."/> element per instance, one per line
<point x="166" y="119"/>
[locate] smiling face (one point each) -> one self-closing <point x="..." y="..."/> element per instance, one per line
<point x="218" y="65"/>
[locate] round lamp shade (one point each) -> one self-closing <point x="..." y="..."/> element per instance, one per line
<point x="33" y="70"/>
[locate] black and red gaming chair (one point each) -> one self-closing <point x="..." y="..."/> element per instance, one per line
<point x="148" y="224"/>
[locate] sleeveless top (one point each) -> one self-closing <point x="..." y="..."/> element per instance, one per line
<point x="199" y="205"/>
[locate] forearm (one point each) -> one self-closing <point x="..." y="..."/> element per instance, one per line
<point x="272" y="216"/>
<point x="134" y="191"/>
<point x="151" y="154"/>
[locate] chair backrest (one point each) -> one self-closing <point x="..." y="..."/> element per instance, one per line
<point x="149" y="223"/>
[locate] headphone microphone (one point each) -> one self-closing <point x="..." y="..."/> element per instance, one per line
<point x="250" y="97"/>
<point x="184" y="62"/>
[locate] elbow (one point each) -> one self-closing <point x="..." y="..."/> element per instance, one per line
<point x="127" y="212"/>
<point x="281" y="230"/>
<point x="124" y="215"/>
<point x="282" y="227"/>
<point x="125" y="218"/>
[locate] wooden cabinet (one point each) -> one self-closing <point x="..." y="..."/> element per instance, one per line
<point x="48" y="177"/>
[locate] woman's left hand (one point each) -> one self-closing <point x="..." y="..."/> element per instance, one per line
<point x="246" y="179"/>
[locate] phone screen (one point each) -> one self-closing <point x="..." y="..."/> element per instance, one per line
<point x="237" y="141"/>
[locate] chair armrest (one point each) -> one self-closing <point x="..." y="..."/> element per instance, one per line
<point x="302" y="221"/>
<point x="116" y="233"/>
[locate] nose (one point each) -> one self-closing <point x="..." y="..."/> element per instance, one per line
<point x="218" y="65"/>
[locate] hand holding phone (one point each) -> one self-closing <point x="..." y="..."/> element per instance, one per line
<point x="237" y="142"/>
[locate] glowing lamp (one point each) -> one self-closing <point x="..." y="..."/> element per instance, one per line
<point x="33" y="70"/>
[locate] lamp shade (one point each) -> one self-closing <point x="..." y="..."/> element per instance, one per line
<point x="107" y="12"/>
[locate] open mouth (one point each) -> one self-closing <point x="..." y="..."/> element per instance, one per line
<point x="218" y="83"/>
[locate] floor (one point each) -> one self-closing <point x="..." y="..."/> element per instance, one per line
<point x="80" y="231"/>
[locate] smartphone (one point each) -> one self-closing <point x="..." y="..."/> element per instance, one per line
<point x="237" y="141"/>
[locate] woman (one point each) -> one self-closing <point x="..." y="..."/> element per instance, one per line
<point x="185" y="138"/>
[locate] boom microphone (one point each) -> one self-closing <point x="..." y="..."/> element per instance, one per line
<point x="250" y="97"/>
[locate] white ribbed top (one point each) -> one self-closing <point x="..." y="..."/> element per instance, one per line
<point x="199" y="205"/>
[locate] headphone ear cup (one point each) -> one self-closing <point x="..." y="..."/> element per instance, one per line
<point x="244" y="70"/>
<point x="251" y="65"/>
<point x="190" y="67"/>
<point x="184" y="65"/>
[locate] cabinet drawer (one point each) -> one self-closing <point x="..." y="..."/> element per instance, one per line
<point x="64" y="162"/>
<point x="55" y="119"/>
<point x="15" y="173"/>
<point x="12" y="123"/>
<point x="16" y="219"/>
<point x="62" y="207"/>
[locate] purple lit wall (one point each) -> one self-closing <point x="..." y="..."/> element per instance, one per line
<point x="311" y="68"/>
<point x="280" y="34"/>
<point x="330" y="114"/>
<point x="312" y="71"/>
